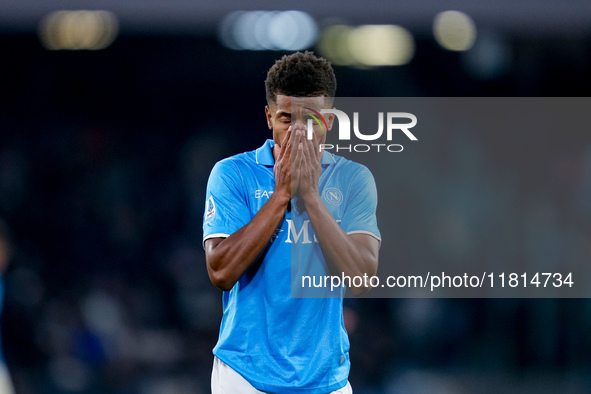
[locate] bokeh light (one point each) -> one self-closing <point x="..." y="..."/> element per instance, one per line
<point x="367" y="45"/>
<point x="75" y="30"/>
<point x="454" y="30"/>
<point x="381" y="45"/>
<point x="268" y="30"/>
<point x="490" y="57"/>
<point x="334" y="45"/>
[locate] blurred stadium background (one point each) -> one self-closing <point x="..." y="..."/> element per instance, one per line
<point x="113" y="113"/>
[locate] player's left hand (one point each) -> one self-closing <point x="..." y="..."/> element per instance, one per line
<point x="307" y="164"/>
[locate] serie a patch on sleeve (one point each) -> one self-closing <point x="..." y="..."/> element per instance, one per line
<point x="209" y="210"/>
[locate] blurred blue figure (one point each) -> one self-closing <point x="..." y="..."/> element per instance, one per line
<point x="5" y="382"/>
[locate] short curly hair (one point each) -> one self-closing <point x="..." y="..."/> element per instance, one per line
<point x="301" y="74"/>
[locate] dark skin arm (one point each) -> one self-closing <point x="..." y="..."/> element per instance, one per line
<point x="355" y="254"/>
<point x="228" y="258"/>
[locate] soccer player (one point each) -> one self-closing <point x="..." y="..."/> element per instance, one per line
<point x="262" y="204"/>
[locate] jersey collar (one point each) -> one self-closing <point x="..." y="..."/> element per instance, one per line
<point x="264" y="155"/>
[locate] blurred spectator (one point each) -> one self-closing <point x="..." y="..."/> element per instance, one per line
<point x="5" y="382"/>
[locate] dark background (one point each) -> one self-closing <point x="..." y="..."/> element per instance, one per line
<point x="104" y="158"/>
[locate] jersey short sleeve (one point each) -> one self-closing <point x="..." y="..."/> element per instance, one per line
<point x="362" y="201"/>
<point x="226" y="206"/>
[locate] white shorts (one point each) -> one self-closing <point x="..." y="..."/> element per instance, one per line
<point x="224" y="380"/>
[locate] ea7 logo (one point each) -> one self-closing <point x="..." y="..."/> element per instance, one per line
<point x="345" y="125"/>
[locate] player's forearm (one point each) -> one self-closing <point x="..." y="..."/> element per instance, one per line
<point x="231" y="257"/>
<point x="342" y="252"/>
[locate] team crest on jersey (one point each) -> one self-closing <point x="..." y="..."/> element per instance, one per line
<point x="209" y="209"/>
<point x="333" y="196"/>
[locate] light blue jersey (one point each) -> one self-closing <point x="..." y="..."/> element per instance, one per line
<point x="278" y="343"/>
